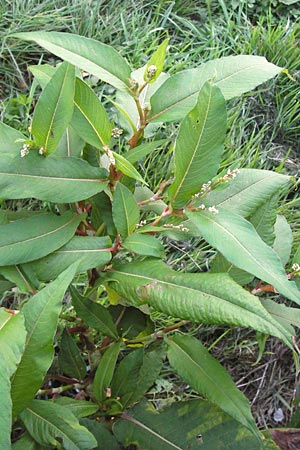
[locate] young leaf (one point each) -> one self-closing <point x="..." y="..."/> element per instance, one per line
<point x="69" y="358"/>
<point x="283" y="239"/>
<point x="105" y="370"/>
<point x="199" y="297"/>
<point x="105" y="440"/>
<point x="54" y="109"/>
<point x="136" y="373"/>
<point x="10" y="140"/>
<point x="90" y="119"/>
<point x="238" y="241"/>
<point x="80" y="408"/>
<point x="199" y="145"/>
<point x="55" y="179"/>
<point x="93" y="314"/>
<point x="90" y="55"/>
<point x="144" y="244"/>
<point x="204" y="374"/>
<point x="157" y="60"/>
<point x="139" y="152"/>
<point x="234" y="75"/>
<point x="47" y="422"/>
<point x="41" y="316"/>
<point x="90" y="251"/>
<point x="125" y="211"/>
<point x="34" y="237"/>
<point x="127" y="168"/>
<point x="247" y="192"/>
<point x="12" y="341"/>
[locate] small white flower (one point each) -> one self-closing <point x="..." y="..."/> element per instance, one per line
<point x="201" y="206"/>
<point x="296" y="267"/>
<point x="213" y="209"/>
<point x="116" y="132"/>
<point x="151" y="71"/>
<point x="24" y="150"/>
<point x="41" y="151"/>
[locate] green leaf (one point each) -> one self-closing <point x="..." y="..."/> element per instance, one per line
<point x="127" y="168"/>
<point x="70" y="145"/>
<point x="234" y="75"/>
<point x="90" y="251"/>
<point x="47" y="422"/>
<point x="43" y="73"/>
<point x="105" y="370"/>
<point x="204" y="374"/>
<point x="12" y="341"/>
<point x="283" y="239"/>
<point x="143" y="193"/>
<point x="247" y="192"/>
<point x="105" y="440"/>
<point x="90" y="55"/>
<point x="9" y="140"/>
<point x="264" y="219"/>
<point x="220" y="264"/>
<point x="283" y="314"/>
<point x="157" y="60"/>
<point x="90" y="119"/>
<point x="199" y="145"/>
<point x="69" y="358"/>
<point x="238" y="241"/>
<point x="34" y="237"/>
<point x="125" y="211"/>
<point x="131" y="321"/>
<point x="139" y="152"/>
<point x="54" y="109"/>
<point x="144" y="244"/>
<point x="41" y="317"/>
<point x="27" y="443"/>
<point x="5" y="285"/>
<point x="93" y="314"/>
<point x="199" y="297"/>
<point x="16" y="275"/>
<point x="80" y="408"/>
<point x="136" y="373"/>
<point x="54" y="179"/>
<point x="102" y="213"/>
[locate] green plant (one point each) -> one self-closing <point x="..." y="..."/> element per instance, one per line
<point x="100" y="217"/>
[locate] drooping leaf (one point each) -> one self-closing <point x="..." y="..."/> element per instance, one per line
<point x="89" y="250"/>
<point x="126" y="167"/>
<point x="247" y="192"/>
<point x="47" y="422"/>
<point x="202" y="372"/>
<point x="90" y="55"/>
<point x="80" y="408"/>
<point x="90" y="119"/>
<point x="125" y="211"/>
<point x="55" y="179"/>
<point x="157" y="60"/>
<point x="136" y="373"/>
<point x="16" y="275"/>
<point x="142" y="150"/>
<point x="199" y="145"/>
<point x="286" y="315"/>
<point x="41" y="317"/>
<point x="105" y="370"/>
<point x="144" y="244"/>
<point x="283" y="239"/>
<point x="12" y="341"/>
<point x="144" y="194"/>
<point x="70" y="359"/>
<point x="264" y="219"/>
<point x="238" y="241"/>
<point x="54" y="109"/>
<point x="34" y="237"/>
<point x="9" y="140"/>
<point x="105" y="440"/>
<point x="93" y="314"/>
<point x="234" y="75"/>
<point x="199" y="297"/>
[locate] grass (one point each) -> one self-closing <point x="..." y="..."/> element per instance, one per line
<point x="263" y="127"/>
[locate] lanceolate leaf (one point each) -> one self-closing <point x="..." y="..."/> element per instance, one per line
<point x="55" y="179"/>
<point x="238" y="241"/>
<point x="144" y="244"/>
<point x="137" y="153"/>
<point x="157" y="60"/>
<point x="264" y="220"/>
<point x="199" y="145"/>
<point x="80" y="408"/>
<point x="202" y="372"/>
<point x="105" y="370"/>
<point x="54" y="109"/>
<point x="234" y="75"/>
<point x="90" y="251"/>
<point x="206" y="297"/>
<point x="69" y="358"/>
<point x="105" y="440"/>
<point x="249" y="190"/>
<point x="126" y="167"/>
<point x="90" y="119"/>
<point x="9" y="140"/>
<point x="47" y="422"/>
<point x="34" y="237"/>
<point x="93" y="314"/>
<point x="41" y="316"/>
<point x="285" y="315"/>
<point x="283" y="239"/>
<point x="125" y="210"/>
<point x="12" y="341"/>
<point x="90" y="55"/>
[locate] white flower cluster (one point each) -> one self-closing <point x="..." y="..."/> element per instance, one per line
<point x="296" y="267"/>
<point x="116" y="132"/>
<point x="151" y="71"/>
<point x="180" y="227"/>
<point x="141" y="224"/>
<point x="24" y="150"/>
<point x="211" y="209"/>
<point x="206" y="187"/>
<point x="41" y="150"/>
<point x="230" y="175"/>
